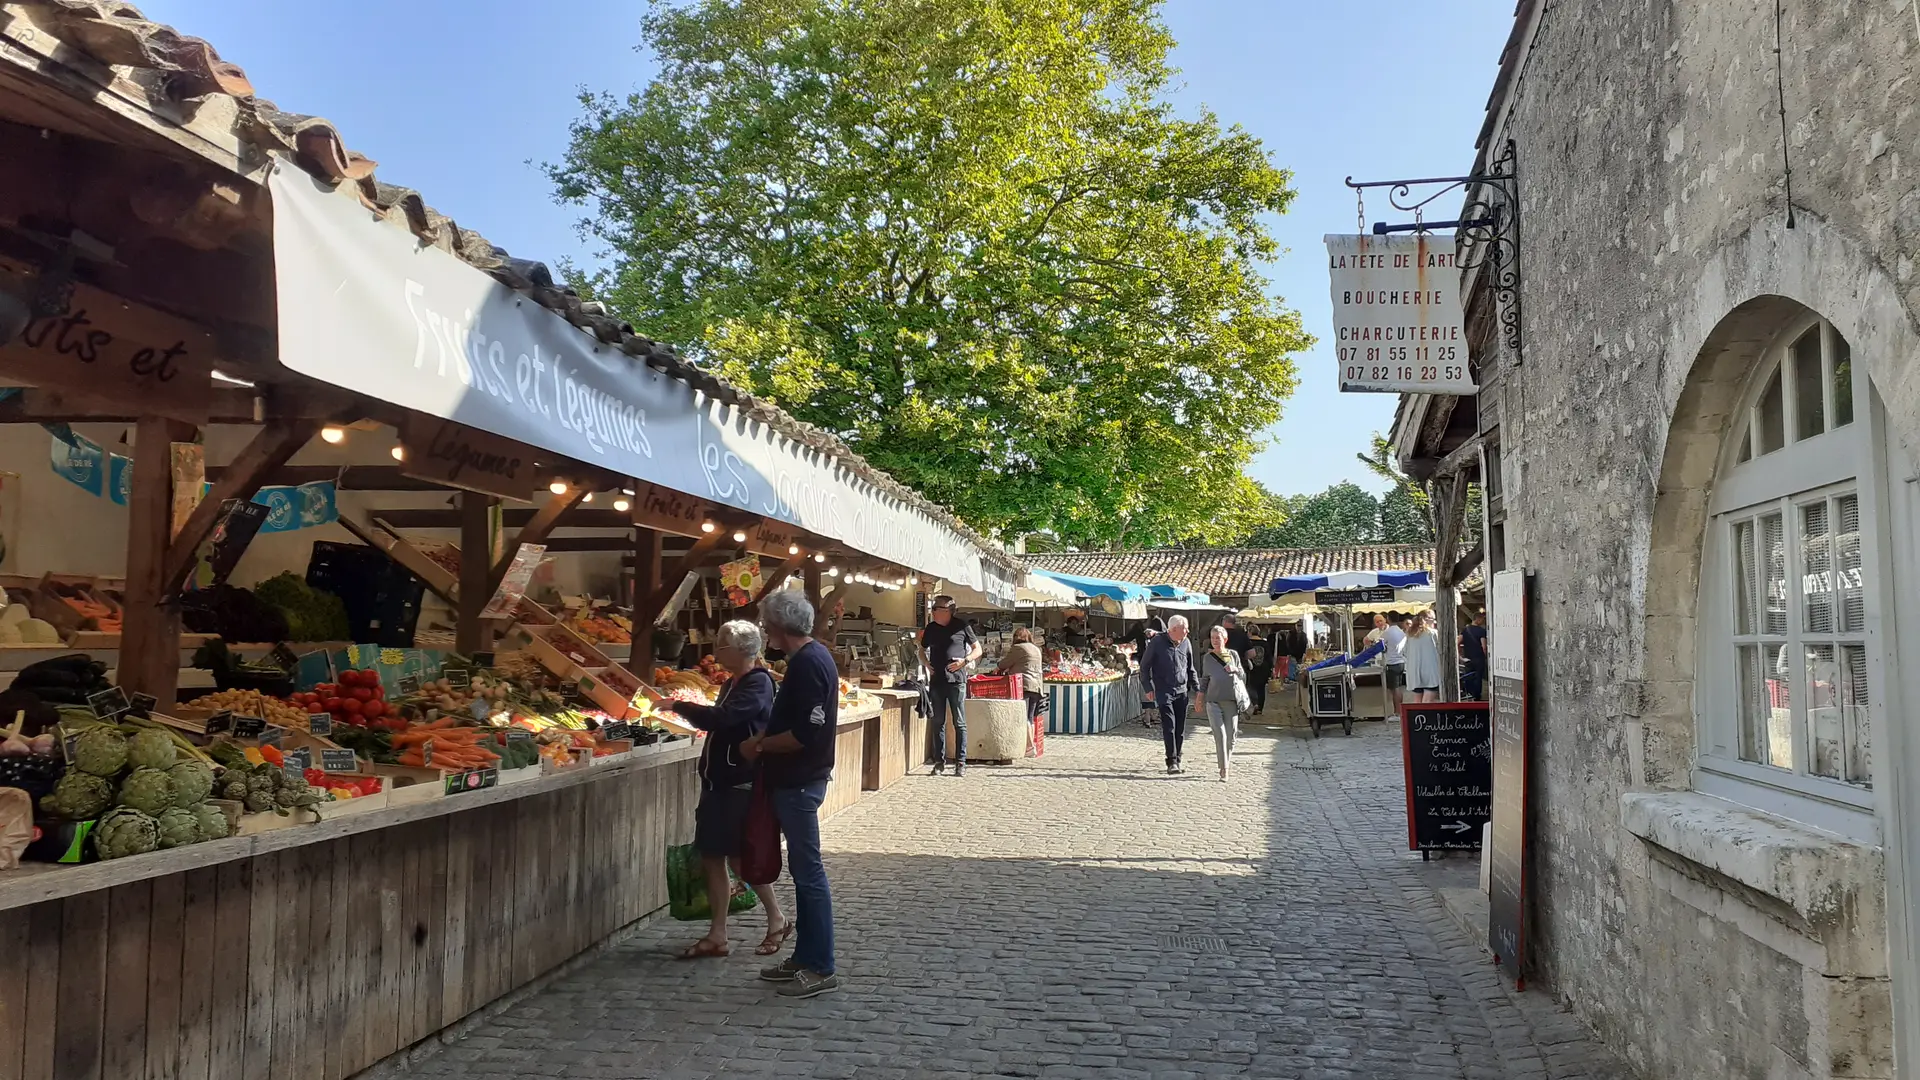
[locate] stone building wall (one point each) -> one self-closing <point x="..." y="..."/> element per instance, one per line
<point x="1656" y="264"/>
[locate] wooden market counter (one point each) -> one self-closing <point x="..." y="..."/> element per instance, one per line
<point x="319" y="950"/>
<point x="849" y="758"/>
<point x="896" y="739"/>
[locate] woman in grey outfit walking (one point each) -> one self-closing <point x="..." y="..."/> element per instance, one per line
<point x="1223" y="682"/>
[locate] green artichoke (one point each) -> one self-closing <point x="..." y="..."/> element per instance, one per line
<point x="192" y="783"/>
<point x="124" y="832"/>
<point x="178" y="827"/>
<point x="100" y="750"/>
<point x="259" y="802"/>
<point x="78" y="797"/>
<point x="290" y="796"/>
<point x="151" y="749"/>
<point x="212" y="821"/>
<point x="147" y="790"/>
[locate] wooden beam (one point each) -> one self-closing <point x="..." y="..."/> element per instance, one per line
<point x="476" y="568"/>
<point x="356" y="478"/>
<point x="646" y="566"/>
<point x="534" y="532"/>
<point x="513" y="518"/>
<point x="1470" y="562"/>
<point x="810" y="576"/>
<point x="270" y="449"/>
<point x="150" y="638"/>
<point x="670" y="579"/>
<point x="1467" y="453"/>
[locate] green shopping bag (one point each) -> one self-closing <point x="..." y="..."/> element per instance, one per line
<point x="687" y="887"/>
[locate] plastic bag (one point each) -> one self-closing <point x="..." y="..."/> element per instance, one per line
<point x="16" y="825"/>
<point x="687" y="887"/>
<point x="760" y="851"/>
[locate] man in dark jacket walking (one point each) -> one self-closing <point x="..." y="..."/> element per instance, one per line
<point x="1166" y="672"/>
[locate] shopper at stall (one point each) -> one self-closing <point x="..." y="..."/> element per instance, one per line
<point x="797" y="749"/>
<point x="1297" y="644"/>
<point x="1223" y="685"/>
<point x="1258" y="672"/>
<point x="1237" y="638"/>
<point x="1422" y="652"/>
<point x="1394" y="637"/>
<point x="1473" y="653"/>
<point x="947" y="646"/>
<point x="726" y="783"/>
<point x="1074" y="634"/>
<point x="1023" y="659"/>
<point x="1167" y="674"/>
<point x="1146" y="632"/>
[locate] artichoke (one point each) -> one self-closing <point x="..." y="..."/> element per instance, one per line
<point x="124" y="832"/>
<point x="290" y="796"/>
<point x="151" y="749"/>
<point x="147" y="790"/>
<point x="192" y="783"/>
<point x="234" y="791"/>
<point x="211" y="820"/>
<point x="78" y="797"/>
<point x="100" y="750"/>
<point x="259" y="802"/>
<point x="178" y="827"/>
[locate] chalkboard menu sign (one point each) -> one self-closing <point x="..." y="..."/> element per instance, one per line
<point x="1507" y="896"/>
<point x="1448" y="752"/>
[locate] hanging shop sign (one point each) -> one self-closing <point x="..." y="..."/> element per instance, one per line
<point x="366" y="306"/>
<point x="463" y="457"/>
<point x="108" y="349"/>
<point x="1377" y="594"/>
<point x="1397" y="324"/>
<point x="741" y="579"/>
<point x="663" y="509"/>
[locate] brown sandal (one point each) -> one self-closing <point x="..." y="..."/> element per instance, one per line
<point x="706" y="949"/>
<point x="775" y="940"/>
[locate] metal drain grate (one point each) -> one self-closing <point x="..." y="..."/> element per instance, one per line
<point x="1200" y="943"/>
<point x="1316" y="766"/>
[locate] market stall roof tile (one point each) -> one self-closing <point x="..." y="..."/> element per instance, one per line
<point x="1233" y="571"/>
<point x="176" y="69"/>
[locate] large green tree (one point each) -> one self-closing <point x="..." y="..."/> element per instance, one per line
<point x="970" y="236"/>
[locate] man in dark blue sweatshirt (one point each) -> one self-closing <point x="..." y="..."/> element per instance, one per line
<point x="1167" y="675"/>
<point x="797" y="761"/>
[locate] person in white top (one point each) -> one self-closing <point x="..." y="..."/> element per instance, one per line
<point x="1379" y="629"/>
<point x="1395" y="640"/>
<point x="1422" y="651"/>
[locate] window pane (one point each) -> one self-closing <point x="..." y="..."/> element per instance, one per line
<point x="1842" y="382"/>
<point x="1771" y="413"/>
<point x="1850" y="573"/>
<point x="1816" y="546"/>
<point x="1746" y="579"/>
<point x="1746" y="449"/>
<point x="1824" y="740"/>
<point x="1856" y="715"/>
<point x="1809" y="381"/>
<point x="1773" y="552"/>
<point x="1766" y="714"/>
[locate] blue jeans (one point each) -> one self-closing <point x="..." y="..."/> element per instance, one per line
<point x="949" y="697"/>
<point x="799" y="812"/>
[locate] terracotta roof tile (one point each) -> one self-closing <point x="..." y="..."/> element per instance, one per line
<point x="189" y="69"/>
<point x="1233" y="571"/>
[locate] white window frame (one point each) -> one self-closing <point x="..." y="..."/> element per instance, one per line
<point x="1836" y="461"/>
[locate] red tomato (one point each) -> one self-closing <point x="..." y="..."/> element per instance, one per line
<point x="376" y="707"/>
<point x="351" y="706"/>
<point x="332" y="704"/>
<point x="361" y="693"/>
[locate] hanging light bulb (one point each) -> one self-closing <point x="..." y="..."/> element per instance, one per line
<point x="739" y="536"/>
<point x="833" y="571"/>
<point x="333" y="434"/>
<point x="793" y="549"/>
<point x="820" y="557"/>
<point x="399" y="453"/>
<point x="707" y="526"/>
<point x="587" y="498"/>
<point x="622" y="505"/>
<point x="628" y="492"/>
<point x="558" y="487"/>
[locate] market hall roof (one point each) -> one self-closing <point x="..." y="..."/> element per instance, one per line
<point x="182" y="82"/>
<point x="1233" y="571"/>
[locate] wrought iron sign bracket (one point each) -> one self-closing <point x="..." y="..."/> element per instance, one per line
<point x="1488" y="227"/>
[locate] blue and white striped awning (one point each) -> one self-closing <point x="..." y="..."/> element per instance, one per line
<point x="1350" y="579"/>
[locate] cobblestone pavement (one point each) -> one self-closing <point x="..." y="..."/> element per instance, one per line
<point x="1084" y="915"/>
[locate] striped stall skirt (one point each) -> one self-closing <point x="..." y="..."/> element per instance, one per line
<point x="1088" y="708"/>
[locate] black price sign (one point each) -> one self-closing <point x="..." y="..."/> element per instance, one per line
<point x="616" y="732"/>
<point x="472" y="780"/>
<point x="332" y="760"/>
<point x="143" y="704"/>
<point x="457" y="678"/>
<point x="409" y="685"/>
<point x="301" y="756"/>
<point x="294" y="774"/>
<point x="1378" y="594"/>
<point x="220" y="722"/>
<point x="249" y="727"/>
<point x="319" y="723"/>
<point x="1448" y="751"/>
<point x="284" y="657"/>
<point x="483" y="659"/>
<point x="519" y="734"/>
<point x="272" y="736"/>
<point x="109" y="703"/>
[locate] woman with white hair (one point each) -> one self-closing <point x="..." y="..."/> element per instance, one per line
<point x="1223" y="683"/>
<point x="726" y="782"/>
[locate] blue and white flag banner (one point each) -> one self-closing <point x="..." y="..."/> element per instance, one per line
<point x="298" y="507"/>
<point x="87" y="465"/>
<point x="78" y="460"/>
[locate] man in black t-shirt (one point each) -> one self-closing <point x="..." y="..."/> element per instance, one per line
<point x="947" y="646"/>
<point x="1473" y="648"/>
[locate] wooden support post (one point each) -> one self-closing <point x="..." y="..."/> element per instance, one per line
<point x="646" y="568"/>
<point x="471" y="635"/>
<point x="656" y="601"/>
<point x="535" y="532"/>
<point x="810" y="580"/>
<point x="1448" y="495"/>
<point x="270" y="449"/>
<point x="150" y="637"/>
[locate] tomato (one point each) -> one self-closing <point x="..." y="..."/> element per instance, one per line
<point x="351" y="707"/>
<point x="332" y="704"/>
<point x="376" y="707"/>
<point x="361" y="693"/>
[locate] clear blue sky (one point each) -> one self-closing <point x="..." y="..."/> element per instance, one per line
<point x="463" y="99"/>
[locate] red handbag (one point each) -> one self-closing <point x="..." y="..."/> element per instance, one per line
<point x="760" y="850"/>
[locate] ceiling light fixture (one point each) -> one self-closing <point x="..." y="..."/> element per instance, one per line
<point x="793" y="549"/>
<point x="739" y="536"/>
<point x="399" y="453"/>
<point x="622" y="505"/>
<point x="558" y="487"/>
<point x="333" y="434"/>
<point x="707" y="526"/>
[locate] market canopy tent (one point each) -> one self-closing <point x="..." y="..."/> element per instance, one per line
<point x="1349" y="579"/>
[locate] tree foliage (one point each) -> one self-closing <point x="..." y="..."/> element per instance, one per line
<point x="969" y="236"/>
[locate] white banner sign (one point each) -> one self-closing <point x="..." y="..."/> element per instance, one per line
<point x="366" y="306"/>
<point x="1507" y="612"/>
<point x="1397" y="324"/>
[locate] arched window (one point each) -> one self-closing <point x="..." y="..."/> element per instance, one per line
<point x="1790" y="666"/>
